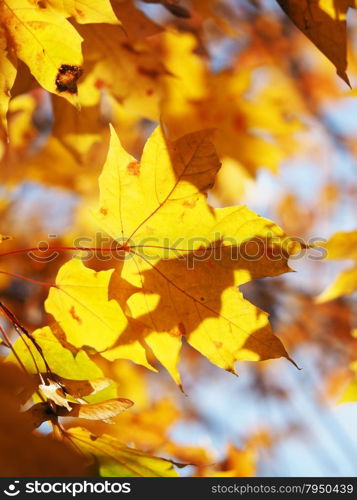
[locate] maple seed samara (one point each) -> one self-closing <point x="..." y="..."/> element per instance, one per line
<point x="67" y="77"/>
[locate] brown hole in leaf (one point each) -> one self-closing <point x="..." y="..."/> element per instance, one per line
<point x="92" y="437"/>
<point x="67" y="77"/>
<point x="134" y="168"/>
<point x="41" y="4"/>
<point x="149" y="92"/>
<point x="72" y="312"/>
<point x="218" y="344"/>
<point x="103" y="211"/>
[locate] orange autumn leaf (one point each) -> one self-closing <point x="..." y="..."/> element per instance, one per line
<point x="324" y="22"/>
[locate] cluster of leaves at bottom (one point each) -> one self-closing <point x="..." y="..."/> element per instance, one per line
<point x="85" y="394"/>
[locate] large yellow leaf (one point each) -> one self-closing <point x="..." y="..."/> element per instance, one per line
<point x="324" y="23"/>
<point x="116" y="459"/>
<point x="186" y="258"/>
<point x="80" y="304"/>
<point x="45" y="41"/>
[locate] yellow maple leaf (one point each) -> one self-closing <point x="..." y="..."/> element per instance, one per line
<point x="157" y="211"/>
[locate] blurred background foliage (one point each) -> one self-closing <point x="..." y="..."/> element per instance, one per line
<point x="286" y="134"/>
